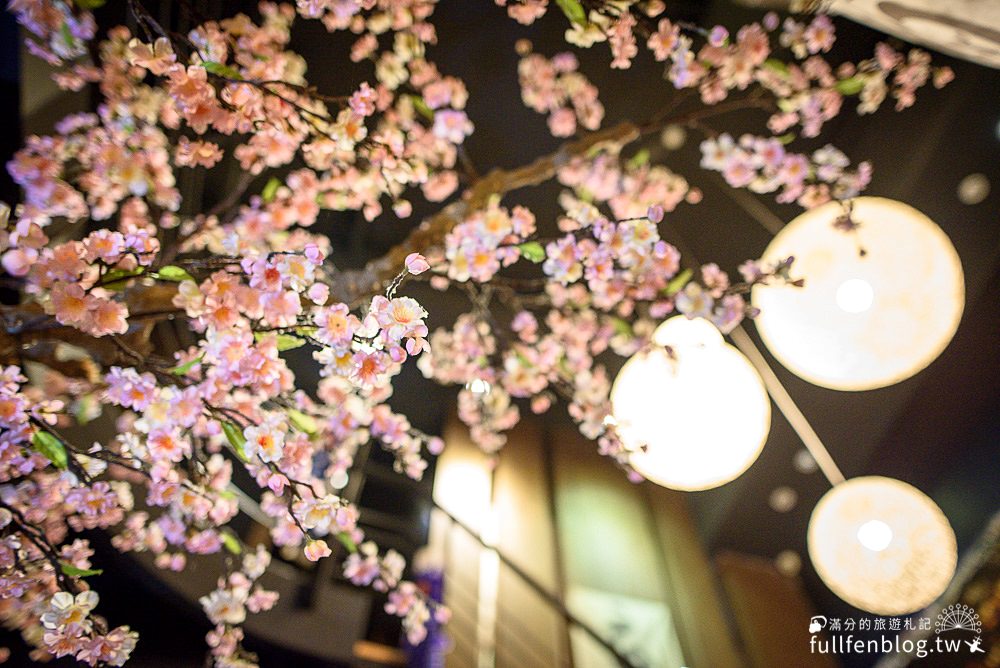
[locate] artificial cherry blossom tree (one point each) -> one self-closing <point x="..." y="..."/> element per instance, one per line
<point x="101" y="254"/>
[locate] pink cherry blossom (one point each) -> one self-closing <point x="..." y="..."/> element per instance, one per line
<point x="317" y="549"/>
<point x="105" y="252"/>
<point x="416" y="263"/>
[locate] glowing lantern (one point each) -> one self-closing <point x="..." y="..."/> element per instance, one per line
<point x="882" y="545"/>
<point x="879" y="303"/>
<point x="699" y="408"/>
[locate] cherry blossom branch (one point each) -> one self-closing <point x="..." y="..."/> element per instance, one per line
<point x="354" y="286"/>
<point x="41" y="542"/>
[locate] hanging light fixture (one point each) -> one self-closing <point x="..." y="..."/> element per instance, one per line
<point x="882" y="545"/>
<point x="881" y="301"/>
<point x="698" y="407"/>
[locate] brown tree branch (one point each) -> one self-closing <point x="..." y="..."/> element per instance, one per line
<point x="351" y="286"/>
<point x="29" y="334"/>
<point x="148" y="303"/>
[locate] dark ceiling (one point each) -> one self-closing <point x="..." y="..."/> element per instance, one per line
<point x="939" y="431"/>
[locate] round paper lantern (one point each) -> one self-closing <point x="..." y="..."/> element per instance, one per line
<point x="882" y="545"/>
<point x="699" y="408"/>
<point x="867" y="319"/>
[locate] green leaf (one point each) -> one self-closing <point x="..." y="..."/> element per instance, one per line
<point x="236" y="439"/>
<point x="89" y="4"/>
<point x="173" y="273"/>
<point x="639" y="159"/>
<point x="74" y="572"/>
<point x="221" y="70"/>
<point x="285" y="341"/>
<point x="230" y="542"/>
<point x="51" y="447"/>
<point x="532" y="251"/>
<point x="573" y="11"/>
<point x="66" y="33"/>
<point x="776" y="66"/>
<point x="786" y="138"/>
<point x="182" y="369"/>
<point x="678" y="282"/>
<point x="303" y="422"/>
<point x="850" y="86"/>
<point x="421" y="107"/>
<point x="270" y="190"/>
<point x="621" y="326"/>
<point x="347" y="542"/>
<point x="116" y="279"/>
<point x="289" y="342"/>
<point x="84" y="408"/>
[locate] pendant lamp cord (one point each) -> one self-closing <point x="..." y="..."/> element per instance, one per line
<point x="810" y="439"/>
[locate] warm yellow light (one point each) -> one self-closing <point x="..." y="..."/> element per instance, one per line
<point x="463" y="483"/>
<point x="875" y="535"/>
<point x="862" y="321"/>
<point x="703" y="414"/>
<point x="882" y="545"/>
<point x="855" y="295"/>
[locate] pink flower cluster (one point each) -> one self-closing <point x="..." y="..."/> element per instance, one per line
<point x="397" y="15"/>
<point x="625" y="261"/>
<point x="525" y="12"/>
<point x="400" y="438"/>
<point x="556" y="87"/>
<point x="277" y="448"/>
<point x="487" y="240"/>
<point x="629" y="188"/>
<point x="249" y="277"/>
<point x="889" y="71"/>
<point x="19" y="415"/>
<point x="415" y="138"/>
<point x="366" y="567"/>
<point x="227" y="607"/>
<point x="77" y="278"/>
<point x="713" y="300"/>
<point x="460" y="356"/>
<point x="600" y="272"/>
<point x="764" y="165"/>
<point x="368" y="352"/>
<point x="70" y="631"/>
<point x="95" y="164"/>
<point x="621" y="262"/>
<point x="80" y="278"/>
<point x="362" y="159"/>
<point x="59" y="620"/>
<point x="60" y="30"/>
<point x="808" y="93"/>
<point x="345" y="422"/>
<point x="539" y="365"/>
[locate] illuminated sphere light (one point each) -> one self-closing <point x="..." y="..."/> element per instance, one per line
<point x="882" y="545"/>
<point x="788" y="563"/>
<point x="862" y="322"/>
<point x="973" y="189"/>
<point x="804" y="462"/>
<point x="783" y="499"/>
<point x="702" y="414"/>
